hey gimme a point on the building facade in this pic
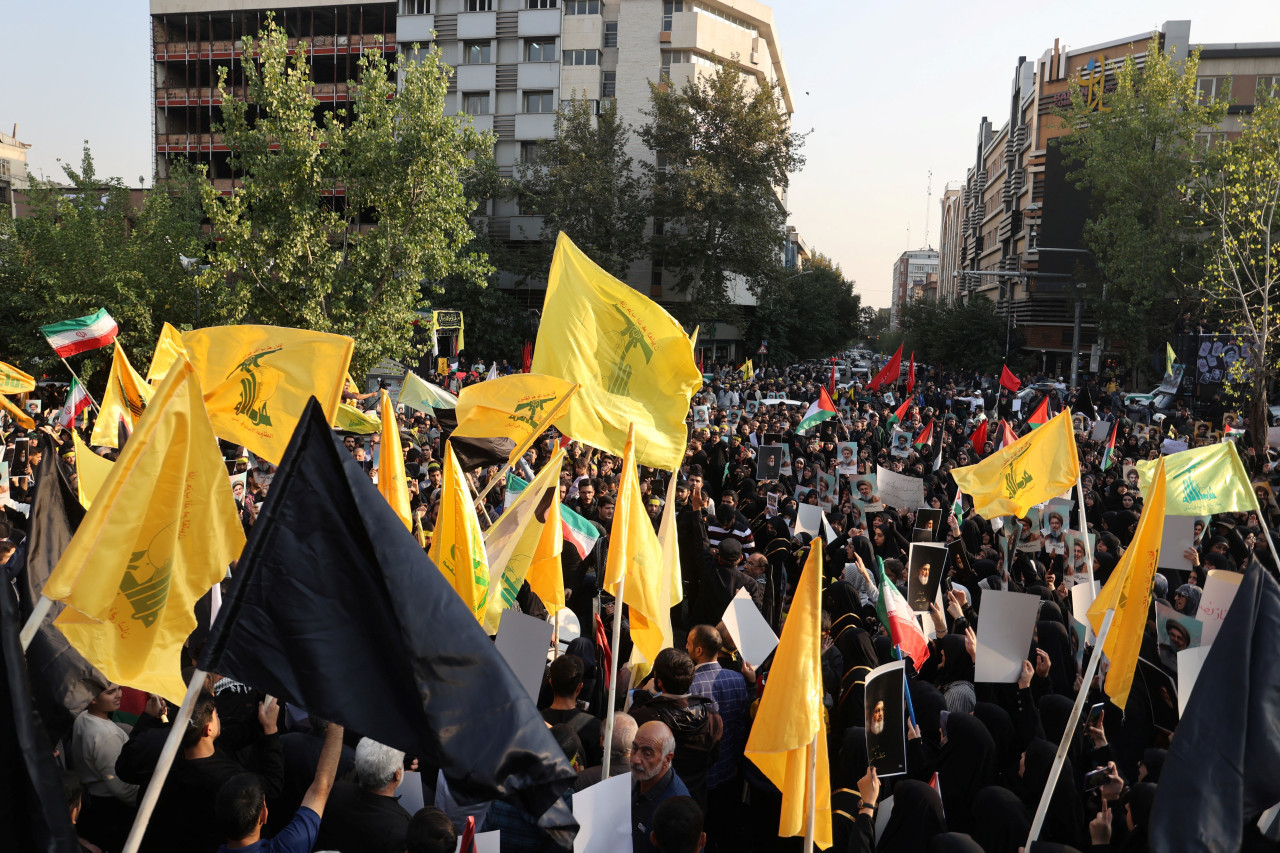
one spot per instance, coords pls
(915, 277)
(13, 171)
(1016, 198)
(515, 62)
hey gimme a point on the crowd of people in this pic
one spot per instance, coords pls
(251, 775)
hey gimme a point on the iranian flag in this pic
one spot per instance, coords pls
(77, 402)
(1108, 454)
(81, 334)
(581, 533)
(896, 616)
(821, 409)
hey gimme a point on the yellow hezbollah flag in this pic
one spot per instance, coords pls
(351, 419)
(513, 539)
(634, 554)
(1128, 592)
(546, 577)
(634, 362)
(257, 380)
(789, 721)
(91, 471)
(125, 399)
(1201, 481)
(391, 476)
(458, 547)
(748, 370)
(160, 533)
(22, 418)
(14, 381)
(169, 349)
(1040, 465)
(516, 407)
(671, 588)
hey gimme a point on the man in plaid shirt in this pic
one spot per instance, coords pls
(730, 697)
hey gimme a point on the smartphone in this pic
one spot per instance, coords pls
(1095, 714)
(1095, 779)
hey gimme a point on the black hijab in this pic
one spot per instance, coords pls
(954, 842)
(966, 765)
(1003, 734)
(916, 819)
(1051, 635)
(1000, 823)
(1065, 821)
(841, 599)
(929, 704)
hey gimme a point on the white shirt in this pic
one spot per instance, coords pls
(95, 745)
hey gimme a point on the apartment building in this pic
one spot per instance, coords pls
(1016, 198)
(13, 171)
(516, 61)
(915, 277)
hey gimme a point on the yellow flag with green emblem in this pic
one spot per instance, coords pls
(634, 553)
(546, 574)
(391, 476)
(161, 531)
(1040, 465)
(91, 471)
(351, 419)
(457, 548)
(511, 410)
(789, 723)
(633, 360)
(1201, 481)
(1128, 592)
(169, 349)
(14, 381)
(125, 400)
(257, 380)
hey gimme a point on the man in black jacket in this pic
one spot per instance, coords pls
(696, 726)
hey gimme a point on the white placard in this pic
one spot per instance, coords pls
(410, 792)
(1168, 447)
(603, 812)
(898, 490)
(750, 631)
(808, 519)
(1004, 635)
(1082, 596)
(1101, 430)
(1220, 589)
(1190, 662)
(882, 814)
(1179, 535)
(523, 642)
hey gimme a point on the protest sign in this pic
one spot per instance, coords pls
(898, 490)
(1220, 589)
(1179, 535)
(603, 812)
(750, 632)
(523, 642)
(1082, 596)
(926, 563)
(1004, 635)
(886, 731)
(1190, 662)
(808, 519)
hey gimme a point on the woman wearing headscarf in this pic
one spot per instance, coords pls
(1052, 637)
(1152, 764)
(1186, 599)
(916, 819)
(999, 725)
(954, 842)
(966, 765)
(1064, 823)
(1000, 822)
(955, 674)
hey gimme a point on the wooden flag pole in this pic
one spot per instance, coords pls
(167, 754)
(34, 621)
(1084, 529)
(613, 678)
(1070, 733)
(811, 795)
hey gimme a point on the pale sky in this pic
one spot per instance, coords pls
(891, 90)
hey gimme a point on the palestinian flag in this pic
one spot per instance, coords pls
(580, 533)
(957, 506)
(979, 437)
(821, 409)
(896, 616)
(77, 402)
(81, 334)
(898, 416)
(1108, 454)
(925, 436)
(1006, 435)
(1040, 416)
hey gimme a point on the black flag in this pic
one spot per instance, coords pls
(336, 608)
(55, 514)
(1084, 404)
(33, 809)
(1220, 774)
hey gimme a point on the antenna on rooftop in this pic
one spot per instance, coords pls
(928, 205)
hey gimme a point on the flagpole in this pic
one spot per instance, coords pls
(613, 677)
(501, 476)
(167, 754)
(1056, 769)
(36, 619)
(811, 794)
(1084, 529)
(92, 402)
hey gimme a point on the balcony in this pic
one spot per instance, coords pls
(539, 22)
(532, 126)
(415, 28)
(538, 75)
(188, 51)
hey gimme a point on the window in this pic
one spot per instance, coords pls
(582, 7)
(669, 8)
(609, 84)
(477, 52)
(541, 4)
(540, 50)
(1213, 88)
(415, 7)
(479, 5)
(475, 103)
(529, 153)
(1205, 141)
(610, 33)
(1269, 86)
(582, 57)
(539, 102)
(659, 226)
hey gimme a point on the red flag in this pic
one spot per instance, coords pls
(911, 373)
(701, 369)
(1006, 434)
(979, 438)
(1041, 415)
(1008, 380)
(890, 372)
(526, 357)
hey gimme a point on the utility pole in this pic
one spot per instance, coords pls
(1079, 289)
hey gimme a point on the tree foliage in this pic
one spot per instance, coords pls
(810, 314)
(85, 247)
(724, 152)
(965, 338)
(1133, 156)
(1236, 197)
(340, 216)
(585, 184)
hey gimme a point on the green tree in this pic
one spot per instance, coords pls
(966, 338)
(1236, 194)
(585, 184)
(811, 314)
(93, 245)
(725, 151)
(1133, 156)
(339, 223)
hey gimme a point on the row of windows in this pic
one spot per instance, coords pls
(571, 7)
(535, 50)
(1219, 88)
(686, 57)
(671, 7)
(478, 103)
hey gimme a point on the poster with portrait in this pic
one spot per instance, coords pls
(1131, 477)
(884, 719)
(865, 494)
(1161, 692)
(826, 490)
(787, 470)
(1177, 631)
(238, 485)
(735, 415)
(900, 444)
(928, 525)
(847, 457)
(701, 417)
(926, 563)
(33, 407)
(769, 463)
(751, 407)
